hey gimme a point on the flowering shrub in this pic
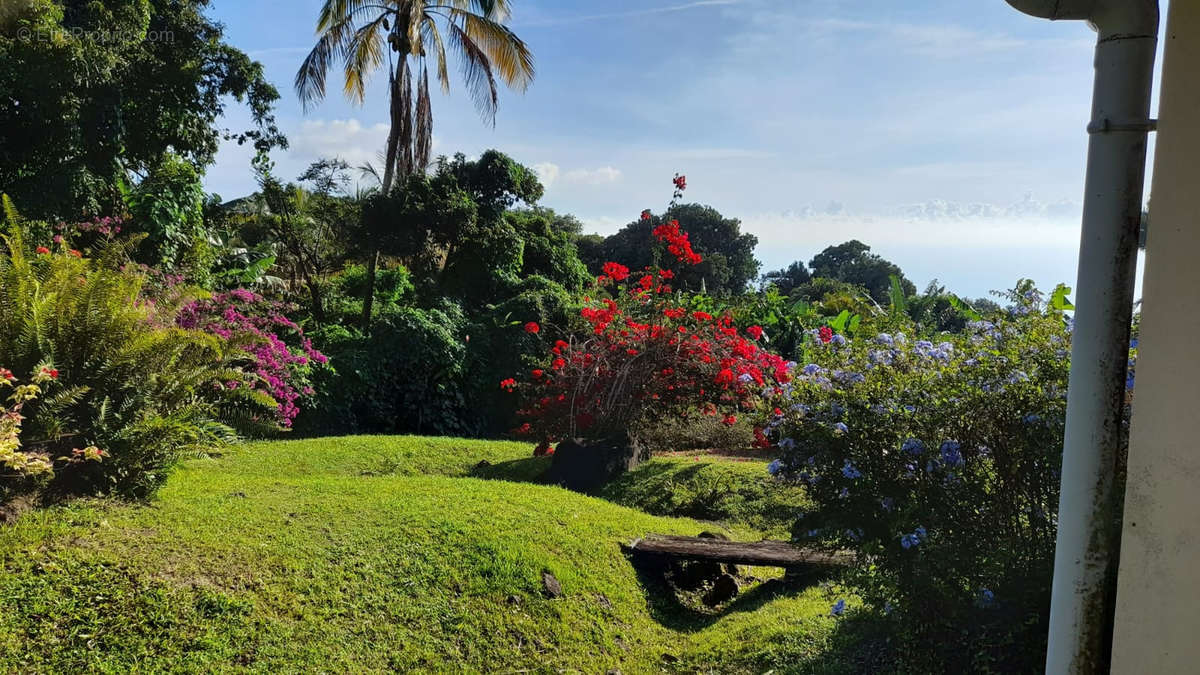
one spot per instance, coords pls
(641, 355)
(23, 462)
(255, 325)
(938, 461)
(124, 378)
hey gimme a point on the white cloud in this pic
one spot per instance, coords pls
(547, 172)
(600, 176)
(348, 139)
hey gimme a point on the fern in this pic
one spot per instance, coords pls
(130, 381)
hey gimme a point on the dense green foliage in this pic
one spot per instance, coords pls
(91, 92)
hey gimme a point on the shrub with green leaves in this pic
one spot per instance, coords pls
(938, 462)
(127, 380)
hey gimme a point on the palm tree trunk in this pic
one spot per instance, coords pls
(389, 176)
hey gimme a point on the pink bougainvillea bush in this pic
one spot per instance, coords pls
(279, 354)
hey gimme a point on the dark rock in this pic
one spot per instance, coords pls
(483, 464)
(712, 535)
(514, 600)
(603, 601)
(551, 586)
(239, 495)
(587, 465)
(724, 590)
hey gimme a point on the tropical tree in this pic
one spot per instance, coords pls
(410, 36)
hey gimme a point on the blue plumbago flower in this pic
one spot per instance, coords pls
(913, 447)
(1129, 381)
(843, 493)
(920, 532)
(924, 345)
(951, 453)
(970, 362)
(878, 409)
(838, 340)
(887, 608)
(801, 408)
(910, 470)
(887, 504)
(811, 369)
(841, 427)
(885, 339)
(790, 365)
(985, 598)
(775, 467)
(839, 608)
(931, 466)
(984, 451)
(909, 540)
(900, 339)
(1133, 343)
(881, 356)
(814, 533)
(787, 443)
(1032, 418)
(1018, 376)
(849, 471)
(910, 409)
(854, 535)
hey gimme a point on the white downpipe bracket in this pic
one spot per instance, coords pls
(1089, 530)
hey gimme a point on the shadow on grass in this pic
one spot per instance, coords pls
(527, 470)
(670, 610)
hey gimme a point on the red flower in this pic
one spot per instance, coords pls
(729, 420)
(509, 385)
(760, 439)
(6, 374)
(524, 428)
(676, 313)
(42, 250)
(725, 377)
(538, 373)
(755, 332)
(617, 271)
(680, 182)
(52, 372)
(666, 274)
(75, 253)
(702, 316)
(543, 449)
(826, 334)
(558, 364)
(532, 327)
(646, 214)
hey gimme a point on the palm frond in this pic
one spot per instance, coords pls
(477, 73)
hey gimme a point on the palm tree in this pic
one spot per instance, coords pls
(406, 35)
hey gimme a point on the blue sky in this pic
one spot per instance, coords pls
(948, 135)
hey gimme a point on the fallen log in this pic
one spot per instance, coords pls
(766, 553)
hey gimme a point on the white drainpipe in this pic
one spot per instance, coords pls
(1089, 530)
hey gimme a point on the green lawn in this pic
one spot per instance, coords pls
(375, 554)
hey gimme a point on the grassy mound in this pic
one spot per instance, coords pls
(371, 554)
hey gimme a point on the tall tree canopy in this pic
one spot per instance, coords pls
(729, 264)
(408, 36)
(853, 263)
(787, 279)
(92, 92)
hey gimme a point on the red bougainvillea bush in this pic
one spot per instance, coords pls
(640, 357)
(256, 325)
